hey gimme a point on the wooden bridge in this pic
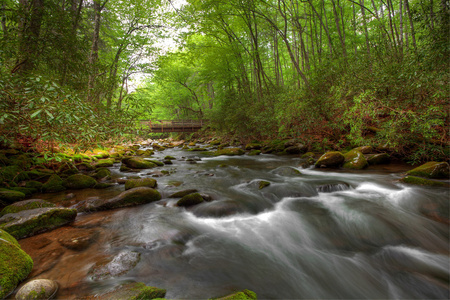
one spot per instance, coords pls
(160, 126)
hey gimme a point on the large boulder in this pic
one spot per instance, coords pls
(134, 290)
(286, 171)
(15, 264)
(183, 193)
(378, 159)
(53, 185)
(431, 169)
(38, 289)
(105, 162)
(354, 159)
(25, 205)
(79, 182)
(132, 197)
(296, 148)
(364, 149)
(332, 159)
(421, 181)
(138, 163)
(148, 182)
(33, 221)
(191, 199)
(121, 264)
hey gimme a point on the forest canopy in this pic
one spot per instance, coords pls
(330, 72)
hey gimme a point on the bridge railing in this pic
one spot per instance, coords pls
(173, 125)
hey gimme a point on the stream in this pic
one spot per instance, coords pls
(314, 234)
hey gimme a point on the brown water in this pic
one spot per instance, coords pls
(320, 234)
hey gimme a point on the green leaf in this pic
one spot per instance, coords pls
(36, 113)
(49, 114)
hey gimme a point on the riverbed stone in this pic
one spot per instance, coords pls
(9, 196)
(131, 197)
(33, 221)
(431, 169)
(79, 181)
(229, 152)
(286, 171)
(102, 173)
(121, 264)
(15, 264)
(421, 181)
(364, 149)
(25, 205)
(262, 184)
(148, 182)
(78, 238)
(183, 193)
(355, 159)
(147, 152)
(38, 289)
(105, 162)
(378, 159)
(190, 200)
(218, 209)
(138, 163)
(296, 149)
(241, 295)
(333, 159)
(134, 290)
(53, 185)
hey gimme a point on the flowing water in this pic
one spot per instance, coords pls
(317, 234)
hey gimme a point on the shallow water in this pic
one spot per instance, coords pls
(318, 234)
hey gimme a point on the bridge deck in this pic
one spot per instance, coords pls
(159, 126)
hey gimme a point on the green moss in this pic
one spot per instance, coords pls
(330, 160)
(431, 169)
(106, 162)
(15, 264)
(102, 173)
(254, 152)
(13, 173)
(34, 185)
(10, 196)
(421, 181)
(263, 184)
(138, 163)
(156, 162)
(27, 191)
(147, 292)
(52, 218)
(308, 155)
(148, 182)
(54, 184)
(242, 295)
(25, 205)
(191, 199)
(147, 152)
(131, 197)
(354, 159)
(79, 181)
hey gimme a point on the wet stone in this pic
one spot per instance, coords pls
(38, 289)
(78, 238)
(121, 264)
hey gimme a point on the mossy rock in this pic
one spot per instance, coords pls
(378, 159)
(21, 160)
(32, 184)
(242, 295)
(133, 291)
(25, 205)
(131, 197)
(138, 163)
(13, 173)
(364, 149)
(229, 152)
(15, 264)
(354, 159)
(147, 152)
(37, 289)
(421, 181)
(431, 169)
(148, 182)
(253, 146)
(53, 185)
(102, 163)
(286, 171)
(332, 159)
(10, 196)
(79, 181)
(27, 191)
(156, 162)
(85, 166)
(169, 157)
(215, 143)
(262, 184)
(183, 193)
(36, 174)
(191, 199)
(102, 173)
(33, 221)
(254, 152)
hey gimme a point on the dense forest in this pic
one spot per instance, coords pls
(333, 73)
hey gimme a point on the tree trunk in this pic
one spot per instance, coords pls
(413, 34)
